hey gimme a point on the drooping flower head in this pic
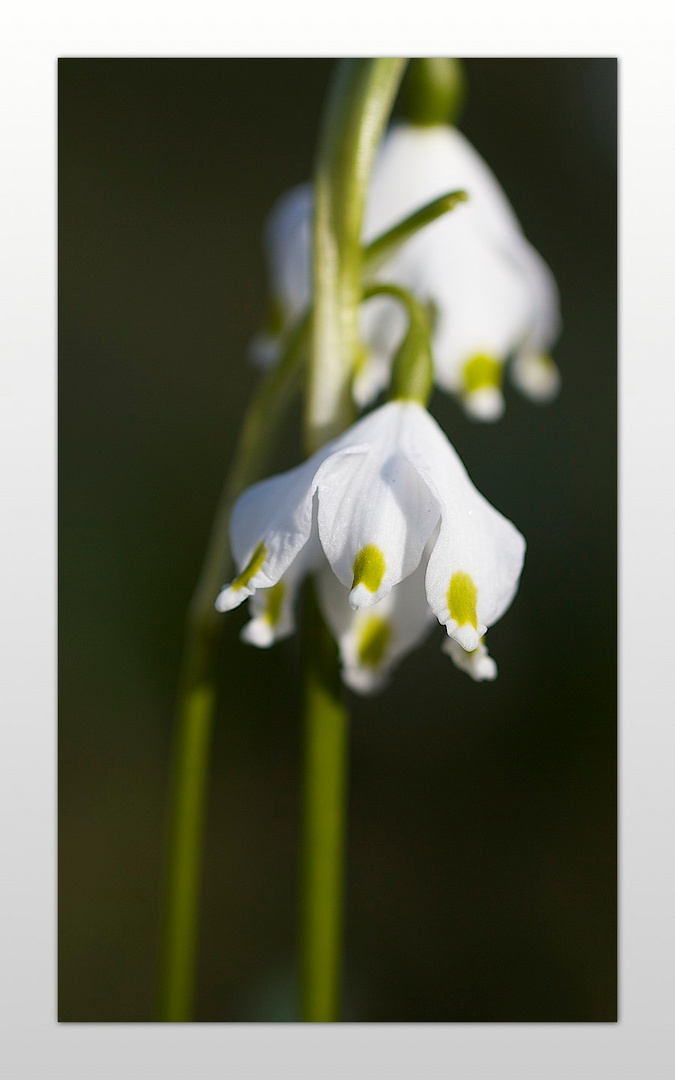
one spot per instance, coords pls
(491, 294)
(388, 520)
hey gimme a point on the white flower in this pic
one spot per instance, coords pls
(373, 639)
(491, 293)
(389, 521)
(288, 245)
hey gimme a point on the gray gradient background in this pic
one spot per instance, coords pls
(33, 1043)
(482, 846)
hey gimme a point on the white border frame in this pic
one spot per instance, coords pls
(34, 34)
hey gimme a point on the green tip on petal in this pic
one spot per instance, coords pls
(369, 568)
(251, 568)
(275, 598)
(361, 358)
(462, 598)
(481, 371)
(374, 637)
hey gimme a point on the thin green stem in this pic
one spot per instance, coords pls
(359, 104)
(412, 376)
(189, 786)
(324, 812)
(358, 108)
(197, 695)
(259, 433)
(388, 243)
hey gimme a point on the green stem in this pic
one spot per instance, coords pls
(388, 243)
(197, 696)
(324, 811)
(412, 376)
(258, 435)
(188, 787)
(359, 105)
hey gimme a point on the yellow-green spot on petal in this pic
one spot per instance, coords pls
(251, 568)
(462, 597)
(481, 371)
(275, 597)
(361, 358)
(369, 567)
(374, 637)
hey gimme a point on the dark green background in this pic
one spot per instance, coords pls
(482, 835)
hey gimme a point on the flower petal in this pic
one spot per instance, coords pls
(373, 640)
(375, 516)
(483, 308)
(417, 164)
(273, 609)
(288, 240)
(476, 562)
(382, 326)
(288, 246)
(536, 375)
(478, 663)
(271, 523)
(545, 321)
(493, 293)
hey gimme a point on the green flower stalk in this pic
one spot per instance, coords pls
(360, 102)
(382, 515)
(197, 691)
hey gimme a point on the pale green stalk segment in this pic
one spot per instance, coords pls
(361, 99)
(359, 105)
(412, 376)
(324, 810)
(187, 827)
(388, 243)
(197, 692)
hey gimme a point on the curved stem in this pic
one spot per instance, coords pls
(412, 376)
(359, 104)
(197, 697)
(388, 243)
(360, 101)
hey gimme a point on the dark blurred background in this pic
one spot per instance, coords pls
(482, 825)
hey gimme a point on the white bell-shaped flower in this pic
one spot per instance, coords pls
(389, 508)
(372, 640)
(288, 246)
(491, 293)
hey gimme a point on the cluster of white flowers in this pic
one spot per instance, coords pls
(388, 520)
(385, 517)
(492, 296)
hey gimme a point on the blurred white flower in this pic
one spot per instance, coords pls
(396, 533)
(491, 294)
(288, 246)
(372, 640)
